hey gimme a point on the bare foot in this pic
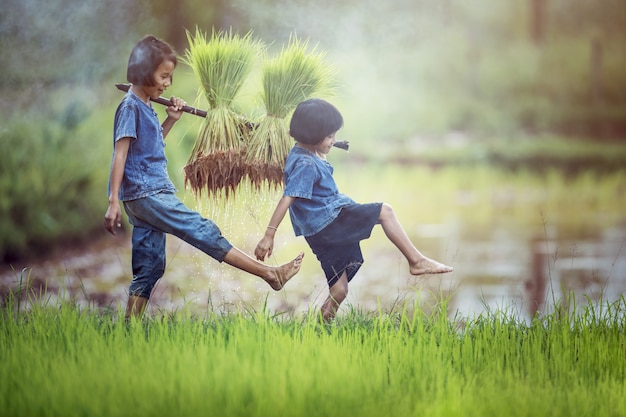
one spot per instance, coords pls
(284, 273)
(429, 266)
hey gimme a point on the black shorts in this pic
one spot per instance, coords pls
(337, 246)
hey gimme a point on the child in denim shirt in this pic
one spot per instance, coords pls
(332, 223)
(139, 179)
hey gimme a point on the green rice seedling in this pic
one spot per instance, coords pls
(221, 64)
(250, 363)
(215, 162)
(294, 75)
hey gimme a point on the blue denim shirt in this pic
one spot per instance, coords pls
(318, 201)
(145, 172)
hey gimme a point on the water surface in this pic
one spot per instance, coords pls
(523, 248)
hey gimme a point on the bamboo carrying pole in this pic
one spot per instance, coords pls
(341, 144)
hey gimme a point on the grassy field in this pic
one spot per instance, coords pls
(70, 361)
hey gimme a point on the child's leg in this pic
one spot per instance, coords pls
(135, 306)
(167, 213)
(418, 263)
(338, 293)
(148, 265)
(275, 276)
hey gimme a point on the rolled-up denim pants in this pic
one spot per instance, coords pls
(154, 216)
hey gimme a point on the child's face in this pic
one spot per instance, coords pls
(326, 144)
(162, 79)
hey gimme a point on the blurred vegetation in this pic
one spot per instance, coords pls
(522, 84)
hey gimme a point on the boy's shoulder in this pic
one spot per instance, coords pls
(128, 103)
(299, 155)
(129, 100)
(132, 106)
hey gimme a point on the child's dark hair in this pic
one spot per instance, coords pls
(313, 120)
(146, 57)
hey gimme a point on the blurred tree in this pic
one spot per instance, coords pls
(538, 20)
(65, 40)
(176, 17)
(588, 17)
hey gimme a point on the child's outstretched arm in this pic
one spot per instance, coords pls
(266, 245)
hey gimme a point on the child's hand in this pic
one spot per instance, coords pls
(176, 110)
(264, 248)
(113, 218)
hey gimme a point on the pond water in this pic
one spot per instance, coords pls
(514, 266)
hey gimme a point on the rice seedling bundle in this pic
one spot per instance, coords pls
(221, 64)
(295, 74)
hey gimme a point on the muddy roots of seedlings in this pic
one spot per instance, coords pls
(265, 175)
(266, 153)
(216, 163)
(216, 173)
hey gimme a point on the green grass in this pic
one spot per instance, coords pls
(67, 360)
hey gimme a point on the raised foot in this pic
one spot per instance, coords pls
(429, 266)
(285, 272)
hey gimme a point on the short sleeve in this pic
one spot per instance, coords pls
(300, 179)
(125, 122)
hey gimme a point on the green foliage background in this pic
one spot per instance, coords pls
(410, 73)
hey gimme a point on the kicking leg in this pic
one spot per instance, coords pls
(338, 293)
(418, 263)
(275, 276)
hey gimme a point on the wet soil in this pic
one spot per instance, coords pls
(98, 273)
